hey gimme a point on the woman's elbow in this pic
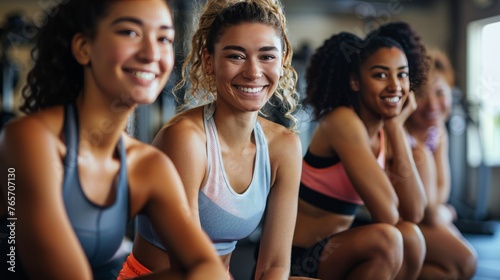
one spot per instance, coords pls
(389, 216)
(414, 215)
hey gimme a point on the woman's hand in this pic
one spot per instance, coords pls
(408, 108)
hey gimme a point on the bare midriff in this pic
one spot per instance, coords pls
(315, 224)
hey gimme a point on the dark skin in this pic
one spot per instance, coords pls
(385, 102)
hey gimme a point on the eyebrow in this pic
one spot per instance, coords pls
(241, 49)
(387, 68)
(138, 22)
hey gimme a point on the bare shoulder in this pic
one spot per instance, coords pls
(284, 145)
(278, 136)
(183, 128)
(343, 123)
(44, 126)
(340, 118)
(144, 159)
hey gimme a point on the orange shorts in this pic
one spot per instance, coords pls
(132, 268)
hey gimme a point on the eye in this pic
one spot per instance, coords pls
(129, 33)
(404, 75)
(268, 57)
(236, 56)
(380, 75)
(166, 40)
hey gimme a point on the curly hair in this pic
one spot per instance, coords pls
(328, 73)
(410, 40)
(216, 16)
(56, 77)
(332, 65)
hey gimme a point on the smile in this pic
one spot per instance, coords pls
(144, 75)
(250, 90)
(392, 99)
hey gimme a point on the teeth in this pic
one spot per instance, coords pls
(250, 90)
(144, 75)
(392, 99)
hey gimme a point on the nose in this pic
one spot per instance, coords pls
(252, 70)
(149, 50)
(394, 85)
(432, 101)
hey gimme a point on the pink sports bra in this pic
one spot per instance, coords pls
(325, 184)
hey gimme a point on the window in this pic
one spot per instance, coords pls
(483, 89)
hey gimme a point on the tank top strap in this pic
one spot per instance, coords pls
(71, 135)
(100, 229)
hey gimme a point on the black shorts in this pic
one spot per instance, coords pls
(305, 261)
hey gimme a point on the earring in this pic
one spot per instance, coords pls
(282, 72)
(207, 71)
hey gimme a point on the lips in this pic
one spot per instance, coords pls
(392, 99)
(250, 89)
(142, 74)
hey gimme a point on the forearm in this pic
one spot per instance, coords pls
(273, 273)
(404, 175)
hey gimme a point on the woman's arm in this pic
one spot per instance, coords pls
(402, 169)
(170, 215)
(183, 141)
(45, 240)
(442, 167)
(348, 137)
(281, 211)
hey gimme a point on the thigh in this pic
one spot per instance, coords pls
(446, 246)
(348, 249)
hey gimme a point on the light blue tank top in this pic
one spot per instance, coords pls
(99, 229)
(226, 216)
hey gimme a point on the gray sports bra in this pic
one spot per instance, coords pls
(99, 229)
(226, 216)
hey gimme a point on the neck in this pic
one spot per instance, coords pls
(234, 127)
(372, 123)
(101, 124)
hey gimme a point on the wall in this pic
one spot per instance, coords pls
(431, 21)
(466, 11)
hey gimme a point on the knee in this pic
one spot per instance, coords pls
(389, 245)
(414, 243)
(467, 265)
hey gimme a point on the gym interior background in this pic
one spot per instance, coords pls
(467, 30)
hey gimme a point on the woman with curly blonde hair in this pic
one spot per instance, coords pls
(237, 167)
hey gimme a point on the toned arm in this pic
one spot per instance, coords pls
(276, 241)
(46, 242)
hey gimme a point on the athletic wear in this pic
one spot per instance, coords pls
(132, 268)
(305, 261)
(226, 216)
(432, 140)
(325, 184)
(99, 229)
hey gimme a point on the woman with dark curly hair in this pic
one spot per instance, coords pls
(237, 167)
(449, 255)
(361, 94)
(75, 177)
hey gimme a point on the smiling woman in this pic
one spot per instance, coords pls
(235, 164)
(361, 96)
(83, 178)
